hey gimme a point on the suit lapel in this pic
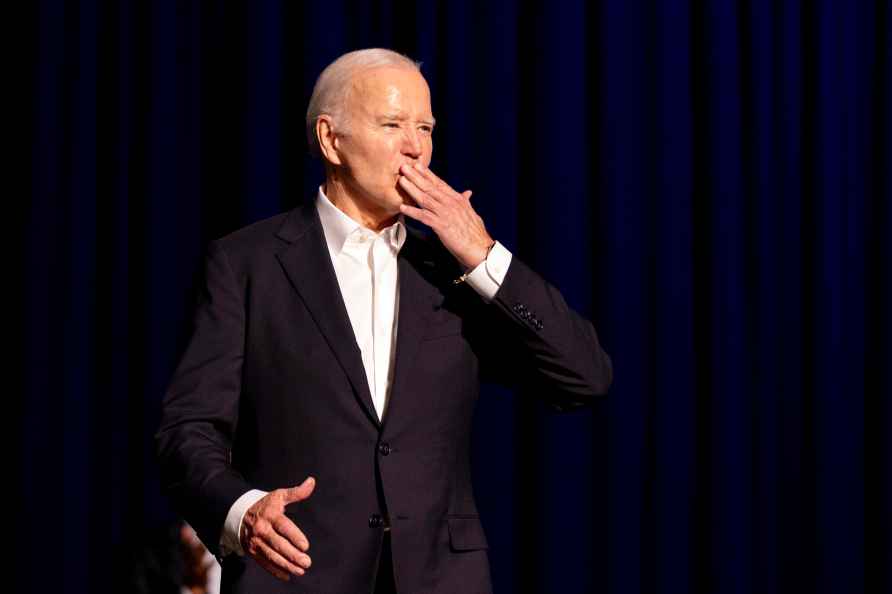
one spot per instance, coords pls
(418, 297)
(308, 266)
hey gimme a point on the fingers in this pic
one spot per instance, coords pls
(275, 546)
(427, 182)
(414, 173)
(422, 198)
(287, 549)
(432, 178)
(272, 539)
(427, 189)
(270, 567)
(419, 214)
(439, 184)
(289, 530)
(272, 560)
(300, 492)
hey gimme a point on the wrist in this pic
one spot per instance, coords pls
(483, 259)
(471, 268)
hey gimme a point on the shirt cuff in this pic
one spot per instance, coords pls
(232, 527)
(487, 277)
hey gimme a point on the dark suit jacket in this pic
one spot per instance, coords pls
(272, 389)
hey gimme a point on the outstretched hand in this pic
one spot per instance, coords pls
(271, 538)
(447, 212)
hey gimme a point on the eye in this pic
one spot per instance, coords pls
(427, 129)
(391, 125)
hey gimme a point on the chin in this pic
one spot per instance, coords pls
(381, 200)
(390, 202)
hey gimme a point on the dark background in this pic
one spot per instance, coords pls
(708, 180)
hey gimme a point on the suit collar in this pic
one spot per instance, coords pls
(299, 221)
(337, 226)
(307, 264)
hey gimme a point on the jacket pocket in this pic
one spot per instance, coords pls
(466, 533)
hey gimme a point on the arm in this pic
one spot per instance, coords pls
(198, 424)
(535, 341)
(200, 407)
(528, 336)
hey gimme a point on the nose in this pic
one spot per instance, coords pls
(411, 144)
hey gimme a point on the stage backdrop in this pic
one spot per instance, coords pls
(708, 180)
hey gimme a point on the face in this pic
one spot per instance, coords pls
(389, 123)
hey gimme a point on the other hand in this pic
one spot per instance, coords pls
(447, 212)
(271, 538)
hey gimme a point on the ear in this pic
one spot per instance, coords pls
(328, 140)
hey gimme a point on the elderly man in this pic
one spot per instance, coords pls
(316, 432)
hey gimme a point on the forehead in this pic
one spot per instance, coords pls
(390, 89)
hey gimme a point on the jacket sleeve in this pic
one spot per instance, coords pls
(200, 408)
(534, 341)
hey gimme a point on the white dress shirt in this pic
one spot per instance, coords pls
(365, 264)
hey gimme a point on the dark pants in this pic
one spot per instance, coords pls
(384, 583)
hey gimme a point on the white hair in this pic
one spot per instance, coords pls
(331, 89)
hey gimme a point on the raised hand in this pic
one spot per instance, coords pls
(447, 212)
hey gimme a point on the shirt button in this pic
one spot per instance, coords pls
(384, 448)
(375, 521)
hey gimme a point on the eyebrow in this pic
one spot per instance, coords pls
(399, 116)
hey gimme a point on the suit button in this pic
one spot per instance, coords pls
(384, 448)
(375, 521)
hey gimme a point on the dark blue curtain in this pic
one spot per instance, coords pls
(708, 180)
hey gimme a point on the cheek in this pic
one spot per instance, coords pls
(388, 154)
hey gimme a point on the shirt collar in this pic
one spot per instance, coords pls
(338, 226)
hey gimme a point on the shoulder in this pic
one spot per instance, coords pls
(252, 237)
(261, 241)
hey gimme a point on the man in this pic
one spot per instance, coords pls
(316, 432)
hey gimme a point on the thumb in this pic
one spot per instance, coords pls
(300, 492)
(467, 194)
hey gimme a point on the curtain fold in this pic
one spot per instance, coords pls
(707, 180)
